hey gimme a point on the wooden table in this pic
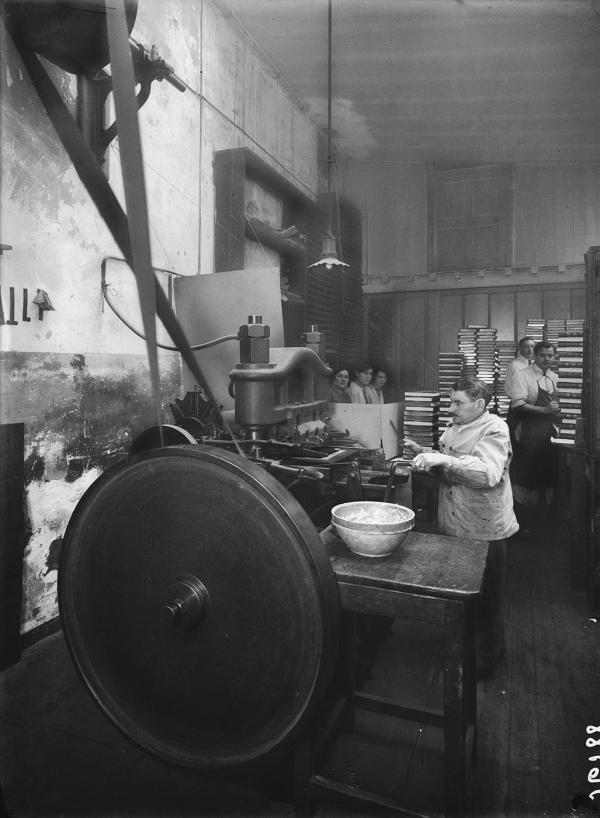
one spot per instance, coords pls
(437, 579)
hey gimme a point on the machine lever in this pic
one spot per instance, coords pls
(307, 472)
(389, 489)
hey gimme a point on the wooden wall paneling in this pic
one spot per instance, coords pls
(581, 212)
(556, 303)
(589, 198)
(451, 320)
(578, 302)
(529, 305)
(502, 314)
(432, 339)
(567, 210)
(476, 309)
(544, 219)
(526, 203)
(381, 333)
(410, 340)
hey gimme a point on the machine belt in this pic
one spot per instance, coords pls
(99, 189)
(132, 168)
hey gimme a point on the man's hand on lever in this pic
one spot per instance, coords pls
(428, 460)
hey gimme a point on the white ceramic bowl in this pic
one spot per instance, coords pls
(372, 529)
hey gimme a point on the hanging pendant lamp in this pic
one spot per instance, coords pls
(329, 257)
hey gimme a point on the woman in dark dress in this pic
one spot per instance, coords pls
(338, 392)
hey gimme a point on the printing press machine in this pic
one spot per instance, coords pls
(211, 610)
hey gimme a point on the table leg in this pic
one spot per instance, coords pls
(455, 709)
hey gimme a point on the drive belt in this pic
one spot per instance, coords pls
(99, 189)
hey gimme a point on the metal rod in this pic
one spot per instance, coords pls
(329, 154)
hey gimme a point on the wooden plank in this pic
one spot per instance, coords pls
(359, 795)
(386, 602)
(381, 704)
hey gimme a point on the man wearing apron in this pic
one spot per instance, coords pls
(475, 499)
(536, 412)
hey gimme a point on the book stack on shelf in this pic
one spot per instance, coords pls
(536, 328)
(554, 328)
(421, 419)
(570, 378)
(506, 354)
(487, 360)
(574, 326)
(467, 346)
(450, 368)
(477, 344)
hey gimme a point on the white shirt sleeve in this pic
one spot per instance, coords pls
(484, 467)
(520, 390)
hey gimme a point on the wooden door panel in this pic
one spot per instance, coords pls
(472, 217)
(487, 241)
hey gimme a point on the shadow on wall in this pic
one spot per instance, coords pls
(81, 414)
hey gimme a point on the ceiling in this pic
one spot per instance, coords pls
(446, 81)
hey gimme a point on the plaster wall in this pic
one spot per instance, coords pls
(77, 377)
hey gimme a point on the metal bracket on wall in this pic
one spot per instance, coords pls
(93, 91)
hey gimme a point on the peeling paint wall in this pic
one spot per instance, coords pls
(76, 376)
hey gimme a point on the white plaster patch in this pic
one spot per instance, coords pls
(51, 504)
(50, 446)
(350, 129)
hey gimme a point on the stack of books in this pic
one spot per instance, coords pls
(574, 326)
(554, 328)
(506, 353)
(467, 346)
(536, 328)
(487, 362)
(421, 419)
(450, 369)
(570, 380)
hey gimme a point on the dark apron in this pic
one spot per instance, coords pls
(532, 466)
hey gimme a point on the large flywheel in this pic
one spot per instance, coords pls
(199, 606)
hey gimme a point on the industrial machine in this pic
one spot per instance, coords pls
(197, 598)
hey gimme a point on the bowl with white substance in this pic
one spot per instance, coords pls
(370, 528)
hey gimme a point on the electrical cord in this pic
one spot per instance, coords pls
(205, 345)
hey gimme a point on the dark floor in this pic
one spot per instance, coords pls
(59, 756)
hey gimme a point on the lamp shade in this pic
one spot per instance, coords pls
(329, 257)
